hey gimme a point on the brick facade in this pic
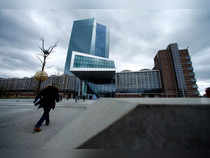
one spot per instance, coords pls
(164, 62)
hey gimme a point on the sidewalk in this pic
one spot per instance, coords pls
(153, 123)
(16, 128)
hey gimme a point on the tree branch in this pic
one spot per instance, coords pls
(52, 47)
(39, 59)
(42, 43)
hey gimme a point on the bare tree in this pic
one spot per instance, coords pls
(44, 53)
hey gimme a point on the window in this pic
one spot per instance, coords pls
(90, 62)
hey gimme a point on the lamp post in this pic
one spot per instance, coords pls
(42, 75)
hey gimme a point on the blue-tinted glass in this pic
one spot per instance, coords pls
(80, 40)
(89, 62)
(100, 40)
(178, 67)
(88, 37)
(102, 88)
(81, 35)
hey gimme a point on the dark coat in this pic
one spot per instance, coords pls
(47, 97)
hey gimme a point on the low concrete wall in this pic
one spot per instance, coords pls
(148, 127)
(145, 124)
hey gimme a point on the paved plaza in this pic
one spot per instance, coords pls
(159, 121)
(18, 117)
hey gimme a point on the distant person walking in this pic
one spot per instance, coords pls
(83, 97)
(75, 97)
(46, 99)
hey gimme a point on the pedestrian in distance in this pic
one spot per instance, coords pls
(76, 98)
(46, 99)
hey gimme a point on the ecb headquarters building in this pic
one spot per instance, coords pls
(88, 58)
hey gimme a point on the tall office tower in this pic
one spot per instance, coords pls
(176, 70)
(88, 37)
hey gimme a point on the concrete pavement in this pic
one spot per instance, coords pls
(76, 124)
(17, 120)
(107, 112)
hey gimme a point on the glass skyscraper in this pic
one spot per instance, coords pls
(88, 37)
(88, 57)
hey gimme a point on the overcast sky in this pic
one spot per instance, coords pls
(135, 38)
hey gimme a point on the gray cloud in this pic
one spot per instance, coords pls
(135, 37)
(16, 29)
(108, 4)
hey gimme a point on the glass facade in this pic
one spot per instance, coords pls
(178, 67)
(102, 88)
(137, 81)
(88, 37)
(81, 38)
(100, 47)
(90, 62)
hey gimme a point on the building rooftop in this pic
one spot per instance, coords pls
(142, 70)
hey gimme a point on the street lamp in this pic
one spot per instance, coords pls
(41, 76)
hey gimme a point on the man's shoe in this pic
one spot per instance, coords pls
(36, 129)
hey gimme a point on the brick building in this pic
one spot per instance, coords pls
(178, 78)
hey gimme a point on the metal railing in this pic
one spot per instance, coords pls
(187, 57)
(192, 74)
(190, 68)
(195, 86)
(193, 80)
(189, 62)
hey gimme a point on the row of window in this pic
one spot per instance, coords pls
(89, 62)
(30, 83)
(102, 88)
(146, 80)
(138, 85)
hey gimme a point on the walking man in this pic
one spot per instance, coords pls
(46, 99)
